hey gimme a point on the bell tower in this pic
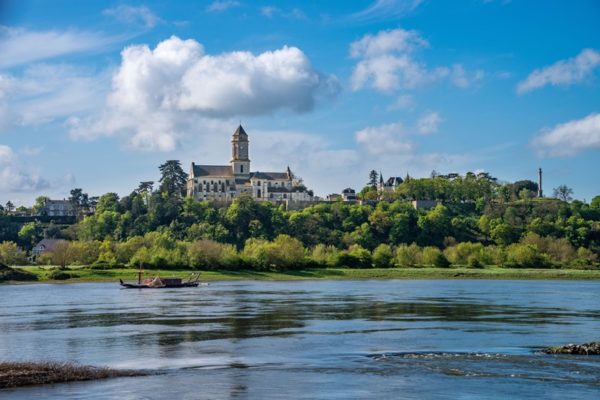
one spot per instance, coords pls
(240, 163)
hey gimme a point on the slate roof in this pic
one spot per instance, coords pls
(48, 244)
(270, 175)
(212, 170)
(393, 181)
(240, 133)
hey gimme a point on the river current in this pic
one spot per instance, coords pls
(413, 339)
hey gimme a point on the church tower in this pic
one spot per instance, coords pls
(240, 163)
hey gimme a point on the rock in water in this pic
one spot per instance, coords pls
(592, 348)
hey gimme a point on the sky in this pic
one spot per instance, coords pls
(97, 95)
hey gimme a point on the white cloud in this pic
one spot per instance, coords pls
(14, 178)
(428, 123)
(159, 93)
(385, 139)
(385, 9)
(386, 62)
(268, 11)
(222, 5)
(271, 11)
(21, 46)
(562, 73)
(133, 15)
(44, 92)
(403, 102)
(569, 138)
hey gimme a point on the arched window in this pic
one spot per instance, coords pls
(242, 168)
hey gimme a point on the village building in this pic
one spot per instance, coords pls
(57, 208)
(223, 183)
(45, 245)
(389, 185)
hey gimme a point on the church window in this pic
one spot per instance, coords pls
(241, 168)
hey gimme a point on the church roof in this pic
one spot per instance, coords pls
(394, 181)
(212, 170)
(240, 133)
(270, 175)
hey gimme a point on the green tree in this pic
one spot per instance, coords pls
(373, 179)
(382, 256)
(31, 233)
(173, 179)
(563, 192)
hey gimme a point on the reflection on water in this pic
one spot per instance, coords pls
(336, 339)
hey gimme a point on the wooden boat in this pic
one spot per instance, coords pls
(161, 283)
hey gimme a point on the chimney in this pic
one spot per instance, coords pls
(540, 192)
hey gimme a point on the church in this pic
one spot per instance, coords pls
(222, 183)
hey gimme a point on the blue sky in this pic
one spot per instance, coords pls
(97, 94)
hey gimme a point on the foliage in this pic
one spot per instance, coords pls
(11, 254)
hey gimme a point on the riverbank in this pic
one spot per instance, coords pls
(82, 274)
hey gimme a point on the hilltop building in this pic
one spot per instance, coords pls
(223, 183)
(57, 208)
(388, 185)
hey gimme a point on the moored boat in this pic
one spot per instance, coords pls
(161, 283)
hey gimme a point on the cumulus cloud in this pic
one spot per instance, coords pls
(140, 15)
(428, 123)
(222, 5)
(387, 62)
(157, 92)
(562, 73)
(21, 46)
(14, 178)
(569, 138)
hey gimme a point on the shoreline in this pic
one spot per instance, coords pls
(85, 275)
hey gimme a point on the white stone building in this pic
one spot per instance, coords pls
(222, 183)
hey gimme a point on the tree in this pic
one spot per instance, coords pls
(373, 179)
(31, 233)
(173, 180)
(144, 189)
(563, 192)
(10, 206)
(40, 202)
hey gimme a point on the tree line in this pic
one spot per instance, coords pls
(478, 221)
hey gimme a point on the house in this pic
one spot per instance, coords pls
(45, 245)
(57, 208)
(349, 194)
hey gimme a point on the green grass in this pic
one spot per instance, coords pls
(127, 274)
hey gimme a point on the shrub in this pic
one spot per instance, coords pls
(434, 256)
(60, 275)
(525, 256)
(323, 255)
(344, 259)
(382, 256)
(558, 250)
(11, 254)
(462, 252)
(284, 252)
(408, 256)
(209, 254)
(362, 255)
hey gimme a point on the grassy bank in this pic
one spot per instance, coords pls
(81, 274)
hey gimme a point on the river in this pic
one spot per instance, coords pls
(414, 339)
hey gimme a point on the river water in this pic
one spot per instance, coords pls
(452, 339)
